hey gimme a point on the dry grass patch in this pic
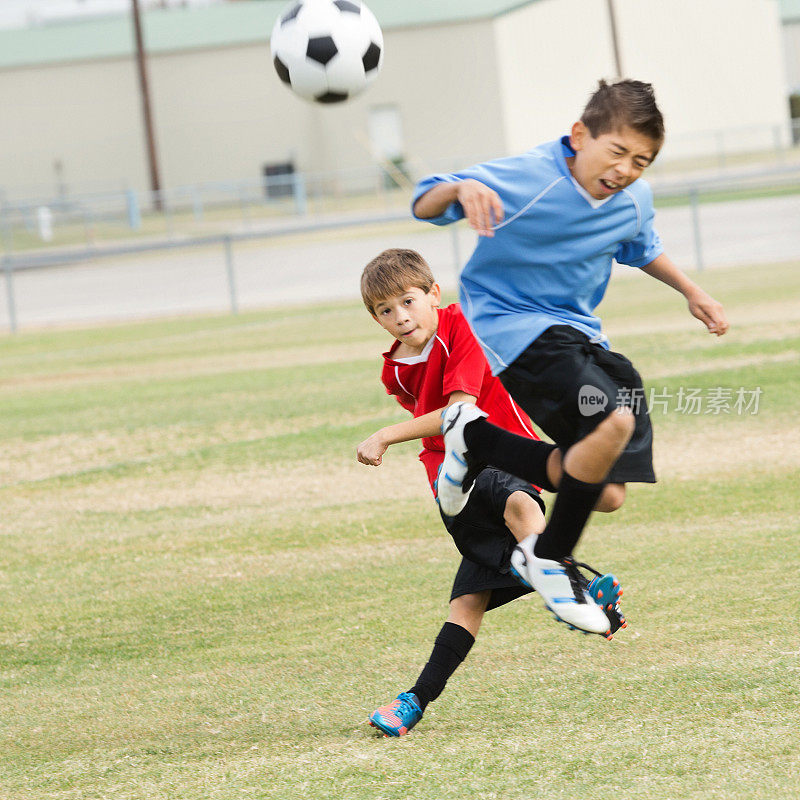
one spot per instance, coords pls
(63, 455)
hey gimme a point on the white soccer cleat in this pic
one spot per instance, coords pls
(561, 587)
(455, 477)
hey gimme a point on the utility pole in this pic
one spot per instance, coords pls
(612, 18)
(152, 156)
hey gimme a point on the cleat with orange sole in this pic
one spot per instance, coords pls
(398, 717)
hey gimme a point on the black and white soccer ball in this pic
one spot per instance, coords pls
(327, 50)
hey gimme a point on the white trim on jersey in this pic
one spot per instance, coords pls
(422, 357)
(594, 202)
(485, 347)
(638, 212)
(515, 407)
(400, 383)
(532, 202)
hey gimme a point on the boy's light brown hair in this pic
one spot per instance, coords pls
(625, 103)
(392, 273)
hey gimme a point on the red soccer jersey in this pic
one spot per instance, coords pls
(452, 361)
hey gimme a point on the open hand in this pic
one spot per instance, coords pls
(482, 206)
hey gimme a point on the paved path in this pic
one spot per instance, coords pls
(752, 232)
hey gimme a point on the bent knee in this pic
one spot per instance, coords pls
(522, 510)
(468, 610)
(477, 601)
(612, 498)
(520, 502)
(620, 423)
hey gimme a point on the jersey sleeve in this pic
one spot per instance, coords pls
(494, 174)
(646, 245)
(466, 363)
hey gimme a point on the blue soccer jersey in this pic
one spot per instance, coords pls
(550, 259)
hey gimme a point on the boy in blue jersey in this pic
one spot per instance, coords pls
(551, 222)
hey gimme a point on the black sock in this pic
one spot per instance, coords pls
(574, 502)
(517, 455)
(450, 649)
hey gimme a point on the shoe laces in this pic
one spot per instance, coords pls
(613, 611)
(577, 581)
(407, 705)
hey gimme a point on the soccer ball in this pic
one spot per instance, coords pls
(327, 50)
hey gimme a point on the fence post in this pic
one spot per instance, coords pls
(162, 203)
(88, 226)
(228, 244)
(300, 196)
(456, 250)
(694, 200)
(12, 305)
(134, 212)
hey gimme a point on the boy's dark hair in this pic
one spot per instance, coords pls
(625, 103)
(392, 273)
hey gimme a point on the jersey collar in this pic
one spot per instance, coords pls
(568, 152)
(421, 358)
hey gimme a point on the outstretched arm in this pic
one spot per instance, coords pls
(701, 304)
(371, 450)
(482, 206)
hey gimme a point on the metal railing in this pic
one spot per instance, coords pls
(745, 183)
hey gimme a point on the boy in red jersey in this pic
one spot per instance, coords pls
(434, 363)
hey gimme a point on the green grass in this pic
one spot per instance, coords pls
(204, 595)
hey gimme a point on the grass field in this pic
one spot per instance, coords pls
(204, 594)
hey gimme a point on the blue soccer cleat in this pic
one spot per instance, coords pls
(606, 591)
(399, 717)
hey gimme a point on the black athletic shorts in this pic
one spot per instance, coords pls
(568, 385)
(484, 541)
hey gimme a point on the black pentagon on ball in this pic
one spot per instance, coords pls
(371, 57)
(321, 49)
(331, 97)
(281, 69)
(347, 5)
(291, 13)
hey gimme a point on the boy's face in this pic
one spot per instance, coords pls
(411, 316)
(606, 165)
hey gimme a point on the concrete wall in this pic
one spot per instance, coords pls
(791, 49)
(551, 55)
(86, 115)
(716, 66)
(444, 82)
(464, 92)
(222, 114)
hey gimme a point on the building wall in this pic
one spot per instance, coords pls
(791, 47)
(707, 81)
(85, 115)
(716, 65)
(464, 92)
(551, 55)
(444, 82)
(222, 114)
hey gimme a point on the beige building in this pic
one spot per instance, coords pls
(462, 80)
(791, 43)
